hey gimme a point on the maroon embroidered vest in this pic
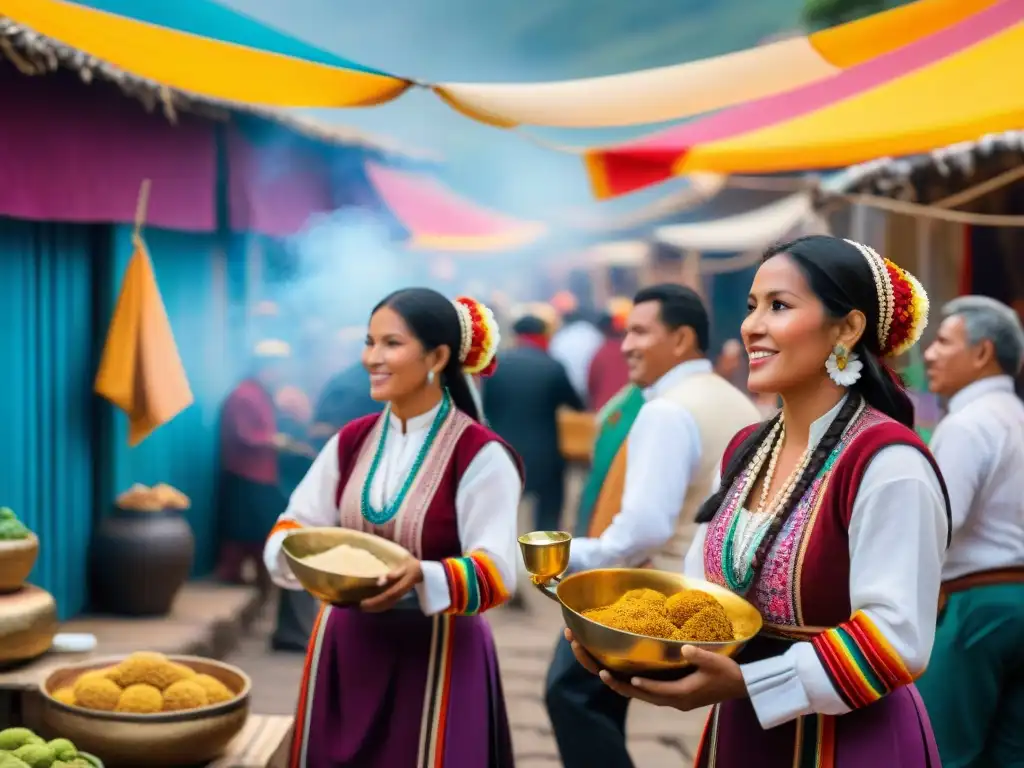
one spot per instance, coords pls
(426, 525)
(805, 577)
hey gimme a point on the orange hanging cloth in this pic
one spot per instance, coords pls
(141, 372)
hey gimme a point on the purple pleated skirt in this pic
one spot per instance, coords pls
(401, 690)
(893, 731)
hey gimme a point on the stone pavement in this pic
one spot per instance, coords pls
(658, 737)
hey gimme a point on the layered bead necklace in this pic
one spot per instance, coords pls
(748, 528)
(388, 511)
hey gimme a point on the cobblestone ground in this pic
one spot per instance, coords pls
(658, 738)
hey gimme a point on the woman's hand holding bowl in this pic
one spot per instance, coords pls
(400, 580)
(715, 679)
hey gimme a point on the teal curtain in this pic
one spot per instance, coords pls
(46, 401)
(191, 274)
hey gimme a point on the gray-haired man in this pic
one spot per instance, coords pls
(974, 686)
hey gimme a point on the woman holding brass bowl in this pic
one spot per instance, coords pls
(832, 519)
(410, 677)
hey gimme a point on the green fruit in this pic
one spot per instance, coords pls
(64, 749)
(36, 755)
(10, 761)
(12, 738)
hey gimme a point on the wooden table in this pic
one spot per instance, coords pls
(263, 743)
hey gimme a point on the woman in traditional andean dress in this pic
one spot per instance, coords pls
(832, 518)
(409, 679)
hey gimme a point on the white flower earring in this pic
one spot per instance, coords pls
(843, 366)
(430, 378)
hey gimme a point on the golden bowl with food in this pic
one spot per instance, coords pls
(635, 621)
(147, 710)
(341, 566)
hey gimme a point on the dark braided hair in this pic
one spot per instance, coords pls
(841, 278)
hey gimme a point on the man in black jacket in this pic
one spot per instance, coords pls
(521, 400)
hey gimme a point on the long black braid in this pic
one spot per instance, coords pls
(744, 454)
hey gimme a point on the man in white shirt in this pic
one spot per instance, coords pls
(574, 346)
(974, 685)
(674, 447)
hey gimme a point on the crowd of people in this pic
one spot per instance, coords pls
(889, 573)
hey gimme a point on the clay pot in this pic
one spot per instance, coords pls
(28, 622)
(16, 560)
(139, 561)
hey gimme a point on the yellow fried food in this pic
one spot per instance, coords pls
(184, 694)
(690, 616)
(641, 617)
(65, 696)
(643, 595)
(147, 667)
(95, 692)
(140, 699)
(681, 607)
(216, 691)
(709, 625)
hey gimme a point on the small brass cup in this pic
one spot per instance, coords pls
(545, 554)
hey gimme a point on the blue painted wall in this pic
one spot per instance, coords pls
(46, 401)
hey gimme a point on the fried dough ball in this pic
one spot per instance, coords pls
(641, 617)
(681, 607)
(65, 695)
(709, 625)
(140, 699)
(184, 694)
(643, 595)
(95, 692)
(151, 669)
(689, 616)
(216, 691)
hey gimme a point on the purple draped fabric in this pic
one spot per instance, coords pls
(78, 153)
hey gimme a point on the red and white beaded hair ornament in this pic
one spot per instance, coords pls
(902, 303)
(478, 351)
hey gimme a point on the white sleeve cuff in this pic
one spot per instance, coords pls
(782, 688)
(277, 564)
(433, 591)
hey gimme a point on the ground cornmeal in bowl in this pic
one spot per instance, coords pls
(688, 616)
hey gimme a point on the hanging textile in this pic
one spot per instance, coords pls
(140, 371)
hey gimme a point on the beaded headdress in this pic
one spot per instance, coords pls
(902, 303)
(478, 348)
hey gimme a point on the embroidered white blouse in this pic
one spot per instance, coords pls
(897, 543)
(486, 506)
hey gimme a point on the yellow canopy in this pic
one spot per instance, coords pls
(202, 65)
(140, 371)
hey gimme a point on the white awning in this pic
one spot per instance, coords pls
(753, 230)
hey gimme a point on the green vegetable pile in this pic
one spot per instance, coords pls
(12, 529)
(21, 748)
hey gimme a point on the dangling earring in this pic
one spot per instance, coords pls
(843, 366)
(430, 378)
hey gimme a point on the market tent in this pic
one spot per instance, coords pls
(205, 48)
(438, 219)
(682, 90)
(753, 230)
(944, 88)
(181, 45)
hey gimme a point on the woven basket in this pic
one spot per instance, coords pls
(576, 434)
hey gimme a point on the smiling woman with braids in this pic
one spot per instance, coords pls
(832, 519)
(409, 679)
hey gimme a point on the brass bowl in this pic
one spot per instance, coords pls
(333, 587)
(17, 558)
(161, 740)
(28, 622)
(629, 654)
(545, 554)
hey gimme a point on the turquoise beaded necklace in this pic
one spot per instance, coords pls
(388, 511)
